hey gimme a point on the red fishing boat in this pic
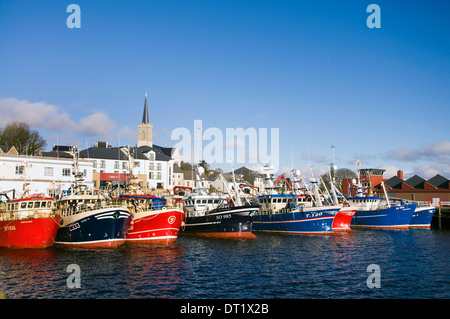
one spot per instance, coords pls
(28, 222)
(155, 220)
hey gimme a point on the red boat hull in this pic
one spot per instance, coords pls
(343, 219)
(29, 233)
(159, 227)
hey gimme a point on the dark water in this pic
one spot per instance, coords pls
(413, 264)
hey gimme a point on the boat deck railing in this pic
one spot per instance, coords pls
(16, 215)
(82, 208)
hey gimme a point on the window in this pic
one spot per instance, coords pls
(151, 166)
(151, 156)
(158, 166)
(158, 175)
(30, 204)
(66, 172)
(37, 204)
(124, 165)
(150, 175)
(137, 164)
(102, 164)
(48, 171)
(116, 164)
(19, 169)
(23, 205)
(94, 165)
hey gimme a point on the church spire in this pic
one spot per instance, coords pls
(145, 115)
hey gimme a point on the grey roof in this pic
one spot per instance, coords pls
(439, 181)
(394, 182)
(159, 155)
(104, 153)
(177, 169)
(166, 150)
(416, 182)
(60, 154)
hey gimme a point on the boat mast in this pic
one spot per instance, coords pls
(238, 198)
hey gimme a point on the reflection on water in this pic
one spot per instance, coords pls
(413, 265)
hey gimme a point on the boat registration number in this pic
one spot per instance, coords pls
(74, 226)
(223, 216)
(314, 214)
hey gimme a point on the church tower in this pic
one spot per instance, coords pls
(145, 129)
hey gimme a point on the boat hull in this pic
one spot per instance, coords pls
(235, 222)
(102, 228)
(422, 217)
(395, 217)
(306, 220)
(160, 227)
(343, 219)
(29, 233)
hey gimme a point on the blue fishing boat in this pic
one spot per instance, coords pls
(90, 220)
(296, 213)
(375, 212)
(299, 220)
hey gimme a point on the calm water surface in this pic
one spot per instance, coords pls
(413, 263)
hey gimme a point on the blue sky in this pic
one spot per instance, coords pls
(313, 69)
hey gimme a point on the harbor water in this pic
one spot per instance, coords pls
(412, 264)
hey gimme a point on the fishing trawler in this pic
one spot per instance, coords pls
(90, 220)
(155, 220)
(28, 222)
(374, 212)
(217, 216)
(296, 213)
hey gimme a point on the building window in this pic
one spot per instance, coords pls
(102, 164)
(124, 165)
(151, 156)
(150, 175)
(151, 166)
(66, 172)
(158, 175)
(158, 166)
(48, 171)
(116, 164)
(19, 169)
(94, 165)
(137, 164)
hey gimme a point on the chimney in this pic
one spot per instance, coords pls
(400, 174)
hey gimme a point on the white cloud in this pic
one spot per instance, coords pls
(98, 123)
(53, 118)
(38, 114)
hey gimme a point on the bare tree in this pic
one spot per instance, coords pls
(19, 135)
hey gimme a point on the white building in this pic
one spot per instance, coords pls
(44, 175)
(153, 164)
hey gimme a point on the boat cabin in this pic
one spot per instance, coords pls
(201, 204)
(365, 202)
(29, 207)
(273, 204)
